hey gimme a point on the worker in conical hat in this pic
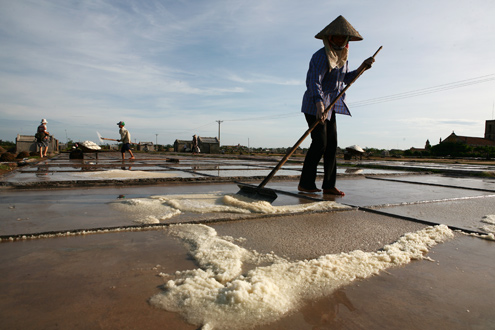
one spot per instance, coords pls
(327, 76)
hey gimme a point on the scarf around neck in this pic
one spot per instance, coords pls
(336, 58)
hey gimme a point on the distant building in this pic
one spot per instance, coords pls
(146, 146)
(412, 149)
(182, 145)
(490, 130)
(28, 143)
(469, 140)
(488, 140)
(422, 150)
(207, 145)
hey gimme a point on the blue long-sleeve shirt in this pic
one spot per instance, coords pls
(324, 86)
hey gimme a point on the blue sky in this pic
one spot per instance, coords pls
(174, 68)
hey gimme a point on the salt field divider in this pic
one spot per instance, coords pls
(425, 222)
(131, 228)
(371, 210)
(431, 184)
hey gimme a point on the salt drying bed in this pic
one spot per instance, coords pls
(300, 263)
(40, 211)
(81, 176)
(487, 184)
(60, 171)
(444, 167)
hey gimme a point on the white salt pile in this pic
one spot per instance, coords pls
(159, 208)
(356, 148)
(218, 296)
(90, 145)
(220, 202)
(123, 174)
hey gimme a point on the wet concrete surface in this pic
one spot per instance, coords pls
(88, 282)
(104, 280)
(461, 213)
(368, 193)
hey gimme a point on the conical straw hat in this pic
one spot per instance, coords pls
(340, 27)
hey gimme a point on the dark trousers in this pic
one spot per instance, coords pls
(125, 147)
(323, 144)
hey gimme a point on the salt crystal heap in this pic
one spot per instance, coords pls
(90, 145)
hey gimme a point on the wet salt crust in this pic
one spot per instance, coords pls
(219, 296)
(490, 220)
(220, 202)
(158, 208)
(146, 210)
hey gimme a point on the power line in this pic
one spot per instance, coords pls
(382, 99)
(424, 91)
(398, 96)
(180, 131)
(255, 118)
(194, 128)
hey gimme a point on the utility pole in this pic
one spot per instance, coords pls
(219, 122)
(156, 141)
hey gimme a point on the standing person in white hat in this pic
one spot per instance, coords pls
(327, 76)
(42, 140)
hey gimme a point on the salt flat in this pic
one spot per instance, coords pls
(100, 268)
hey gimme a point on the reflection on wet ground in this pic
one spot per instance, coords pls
(324, 313)
(77, 276)
(62, 169)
